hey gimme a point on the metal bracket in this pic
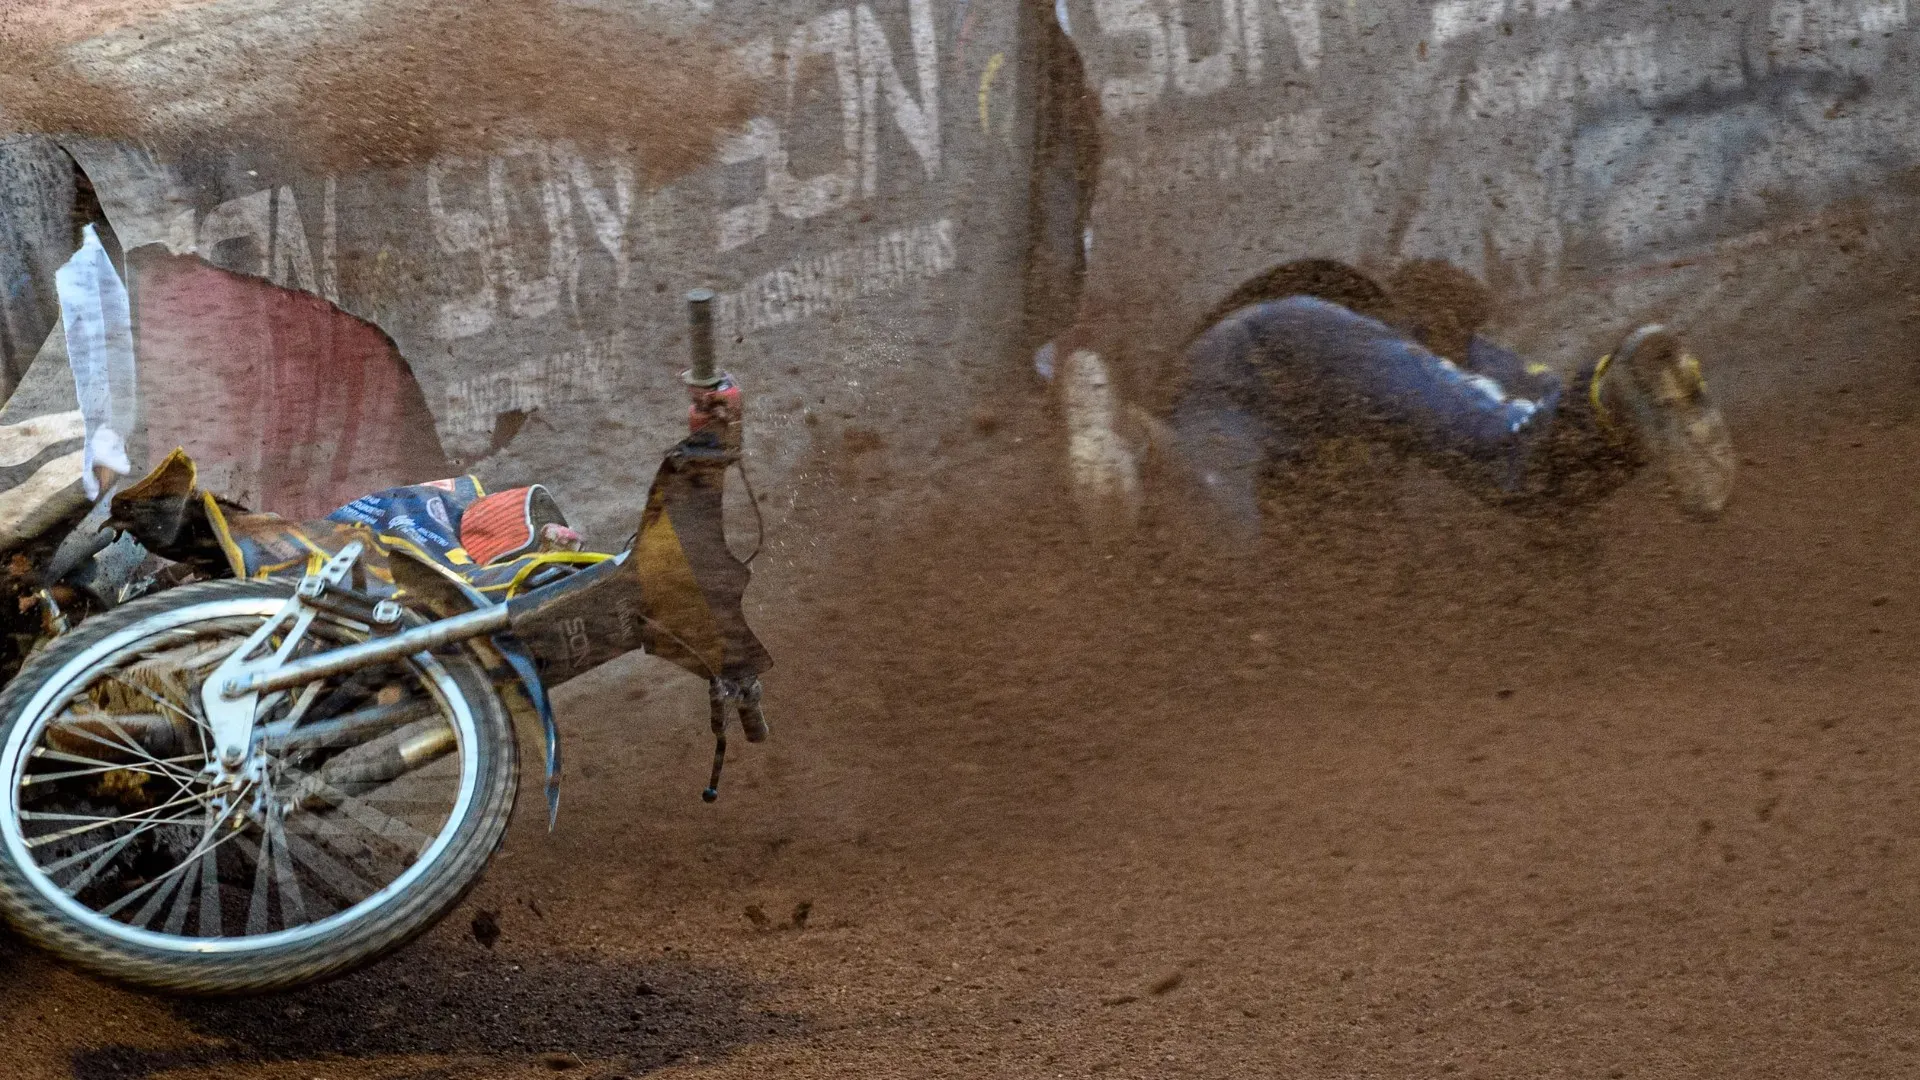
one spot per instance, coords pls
(229, 703)
(741, 697)
(528, 671)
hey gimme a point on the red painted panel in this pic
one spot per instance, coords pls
(290, 404)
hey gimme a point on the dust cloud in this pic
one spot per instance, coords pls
(399, 84)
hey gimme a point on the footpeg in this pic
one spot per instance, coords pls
(752, 720)
(718, 695)
(743, 698)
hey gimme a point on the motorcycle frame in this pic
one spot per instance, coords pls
(546, 635)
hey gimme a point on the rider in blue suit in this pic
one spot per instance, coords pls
(1316, 351)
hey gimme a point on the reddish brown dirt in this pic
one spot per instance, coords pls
(41, 92)
(74, 20)
(429, 79)
(1632, 799)
(1416, 789)
(415, 81)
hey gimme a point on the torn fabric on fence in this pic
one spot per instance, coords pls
(98, 318)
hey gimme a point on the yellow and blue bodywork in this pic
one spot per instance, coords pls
(676, 592)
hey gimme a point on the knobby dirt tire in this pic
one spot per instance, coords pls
(408, 913)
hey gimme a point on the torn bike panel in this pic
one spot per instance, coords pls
(677, 592)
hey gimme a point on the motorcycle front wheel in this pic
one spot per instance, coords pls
(371, 803)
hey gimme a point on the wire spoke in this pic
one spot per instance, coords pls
(200, 851)
(182, 903)
(86, 876)
(126, 741)
(381, 824)
(134, 766)
(262, 882)
(344, 842)
(158, 700)
(156, 900)
(52, 754)
(102, 819)
(181, 778)
(292, 904)
(210, 894)
(95, 737)
(47, 778)
(211, 657)
(346, 884)
(187, 774)
(273, 867)
(141, 816)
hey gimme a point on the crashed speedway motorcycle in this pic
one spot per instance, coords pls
(294, 766)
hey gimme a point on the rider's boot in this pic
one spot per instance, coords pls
(1651, 392)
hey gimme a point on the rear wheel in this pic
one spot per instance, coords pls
(371, 803)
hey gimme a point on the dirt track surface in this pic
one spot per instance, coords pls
(1415, 790)
(1640, 810)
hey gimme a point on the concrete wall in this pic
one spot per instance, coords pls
(1540, 142)
(36, 236)
(869, 230)
(866, 234)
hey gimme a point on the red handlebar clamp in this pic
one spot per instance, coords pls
(717, 405)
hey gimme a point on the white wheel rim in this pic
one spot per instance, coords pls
(78, 673)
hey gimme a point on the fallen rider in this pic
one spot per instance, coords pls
(1316, 351)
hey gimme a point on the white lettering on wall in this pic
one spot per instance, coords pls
(1624, 62)
(248, 218)
(831, 36)
(609, 220)
(1159, 35)
(462, 232)
(330, 240)
(511, 222)
(866, 76)
(1813, 24)
(272, 238)
(531, 291)
(1883, 16)
(759, 142)
(1224, 154)
(1458, 18)
(293, 265)
(583, 374)
(1200, 75)
(1302, 21)
(830, 282)
(1138, 23)
(917, 118)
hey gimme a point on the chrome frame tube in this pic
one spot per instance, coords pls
(473, 624)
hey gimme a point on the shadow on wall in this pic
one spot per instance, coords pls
(1066, 168)
(1712, 163)
(40, 211)
(1635, 181)
(453, 1000)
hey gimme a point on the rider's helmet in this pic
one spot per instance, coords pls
(1440, 305)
